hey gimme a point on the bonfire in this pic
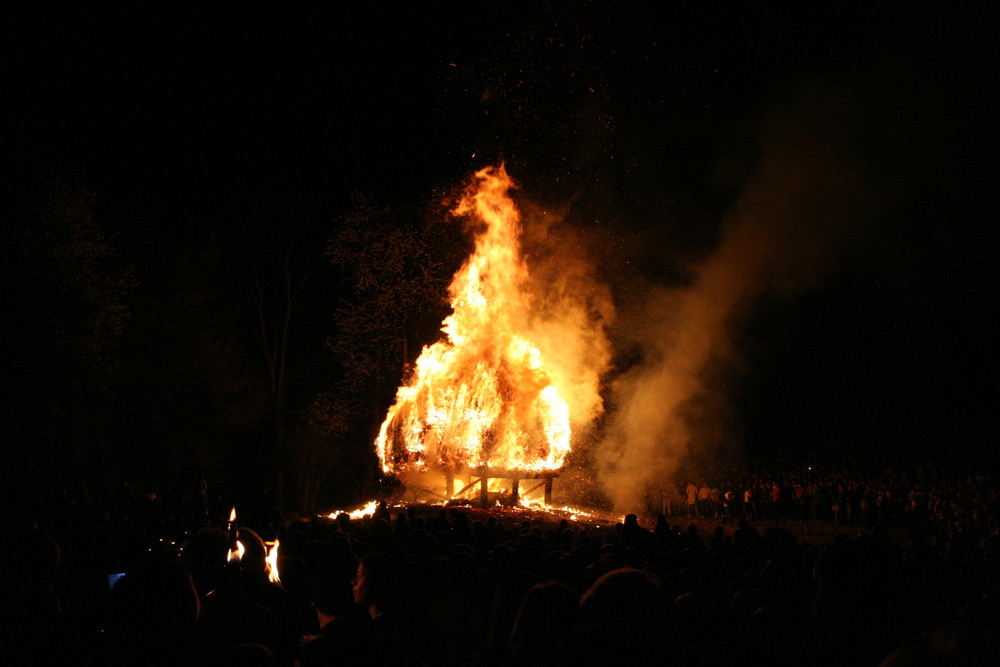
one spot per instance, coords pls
(481, 403)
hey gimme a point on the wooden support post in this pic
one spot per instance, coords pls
(449, 484)
(484, 491)
(514, 483)
(548, 490)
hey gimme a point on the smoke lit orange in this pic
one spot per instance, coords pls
(483, 397)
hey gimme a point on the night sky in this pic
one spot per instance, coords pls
(653, 127)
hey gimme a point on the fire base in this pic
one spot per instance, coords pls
(482, 477)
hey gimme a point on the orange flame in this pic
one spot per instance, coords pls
(236, 555)
(366, 510)
(272, 563)
(483, 397)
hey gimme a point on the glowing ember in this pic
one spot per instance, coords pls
(566, 511)
(483, 397)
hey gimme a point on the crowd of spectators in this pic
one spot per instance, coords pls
(916, 580)
(939, 501)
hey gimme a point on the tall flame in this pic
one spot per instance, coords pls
(483, 397)
(271, 562)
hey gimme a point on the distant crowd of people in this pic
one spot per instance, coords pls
(453, 586)
(939, 501)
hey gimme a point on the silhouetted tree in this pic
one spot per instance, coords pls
(196, 402)
(322, 459)
(395, 270)
(67, 310)
(277, 277)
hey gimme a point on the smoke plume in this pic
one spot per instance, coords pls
(572, 310)
(798, 207)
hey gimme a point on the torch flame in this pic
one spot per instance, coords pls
(236, 555)
(483, 397)
(232, 515)
(272, 563)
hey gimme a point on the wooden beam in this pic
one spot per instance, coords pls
(469, 486)
(535, 488)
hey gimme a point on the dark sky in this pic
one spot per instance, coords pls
(647, 121)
